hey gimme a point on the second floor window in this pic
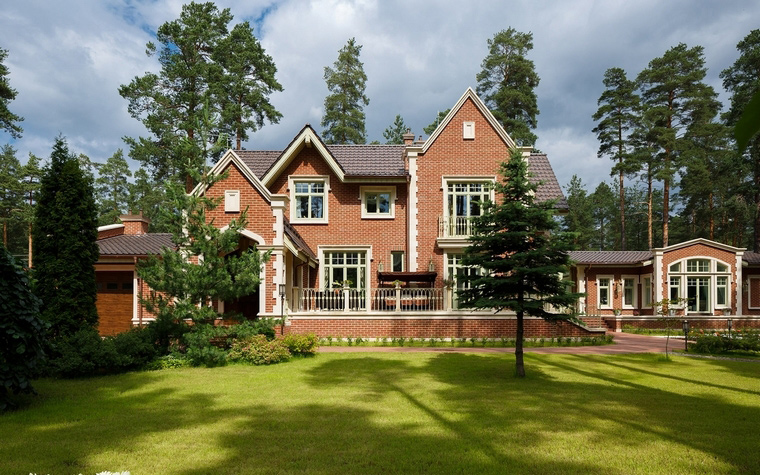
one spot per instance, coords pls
(466, 199)
(309, 199)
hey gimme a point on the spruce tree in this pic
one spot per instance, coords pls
(579, 219)
(31, 176)
(394, 134)
(603, 211)
(742, 80)
(520, 255)
(617, 116)
(507, 84)
(344, 106)
(112, 188)
(11, 192)
(65, 231)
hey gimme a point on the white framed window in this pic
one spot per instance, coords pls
(698, 265)
(231, 201)
(721, 291)
(456, 271)
(397, 261)
(674, 290)
(604, 292)
(468, 130)
(345, 267)
(629, 292)
(646, 292)
(308, 198)
(704, 282)
(378, 202)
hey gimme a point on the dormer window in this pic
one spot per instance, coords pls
(308, 199)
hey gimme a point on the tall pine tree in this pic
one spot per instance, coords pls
(742, 80)
(8, 120)
(65, 231)
(394, 134)
(579, 219)
(507, 84)
(617, 115)
(520, 254)
(344, 106)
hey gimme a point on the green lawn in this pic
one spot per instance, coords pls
(398, 413)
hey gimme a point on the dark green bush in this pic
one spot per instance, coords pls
(259, 351)
(306, 344)
(169, 361)
(136, 348)
(84, 353)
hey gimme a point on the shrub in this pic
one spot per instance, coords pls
(84, 353)
(135, 347)
(169, 361)
(258, 350)
(306, 344)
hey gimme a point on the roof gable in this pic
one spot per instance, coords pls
(306, 138)
(231, 158)
(706, 242)
(469, 94)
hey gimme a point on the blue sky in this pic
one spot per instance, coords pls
(68, 59)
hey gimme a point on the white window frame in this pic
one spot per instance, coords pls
(295, 179)
(401, 254)
(610, 287)
(231, 201)
(678, 286)
(635, 293)
(487, 180)
(646, 291)
(727, 294)
(468, 130)
(711, 272)
(366, 190)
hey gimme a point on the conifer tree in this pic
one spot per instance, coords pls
(507, 84)
(520, 255)
(675, 98)
(617, 115)
(344, 106)
(65, 231)
(112, 188)
(438, 119)
(11, 191)
(31, 177)
(742, 80)
(8, 120)
(394, 134)
(603, 211)
(579, 219)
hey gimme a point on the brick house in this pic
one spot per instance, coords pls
(367, 240)
(711, 282)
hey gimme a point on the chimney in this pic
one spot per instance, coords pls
(408, 137)
(135, 223)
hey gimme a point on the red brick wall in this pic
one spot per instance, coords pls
(616, 273)
(110, 233)
(451, 155)
(136, 227)
(431, 328)
(344, 213)
(259, 217)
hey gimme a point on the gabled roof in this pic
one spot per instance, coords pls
(230, 157)
(610, 257)
(469, 94)
(135, 244)
(541, 171)
(307, 137)
(704, 241)
(298, 241)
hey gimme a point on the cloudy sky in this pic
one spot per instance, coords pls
(67, 60)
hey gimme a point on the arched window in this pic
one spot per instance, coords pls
(702, 281)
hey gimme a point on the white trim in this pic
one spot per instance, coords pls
(468, 130)
(635, 278)
(643, 292)
(469, 94)
(232, 158)
(135, 293)
(706, 242)
(307, 138)
(580, 277)
(295, 179)
(249, 234)
(738, 269)
(391, 190)
(231, 201)
(610, 292)
(412, 221)
(367, 250)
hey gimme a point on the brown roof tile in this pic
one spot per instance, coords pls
(370, 160)
(541, 169)
(135, 244)
(298, 241)
(752, 257)
(610, 257)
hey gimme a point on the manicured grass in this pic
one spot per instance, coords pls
(398, 413)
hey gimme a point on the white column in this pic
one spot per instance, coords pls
(412, 212)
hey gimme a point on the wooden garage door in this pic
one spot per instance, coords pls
(114, 301)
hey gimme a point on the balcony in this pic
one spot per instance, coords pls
(381, 300)
(453, 231)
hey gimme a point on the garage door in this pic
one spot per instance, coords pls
(114, 301)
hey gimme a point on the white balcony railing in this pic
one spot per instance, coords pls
(383, 300)
(454, 226)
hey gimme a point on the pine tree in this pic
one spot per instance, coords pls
(344, 106)
(31, 176)
(603, 211)
(65, 231)
(112, 188)
(8, 120)
(617, 116)
(244, 90)
(394, 134)
(507, 84)
(11, 191)
(742, 80)
(520, 253)
(205, 71)
(675, 98)
(579, 219)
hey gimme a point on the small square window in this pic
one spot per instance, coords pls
(377, 203)
(468, 130)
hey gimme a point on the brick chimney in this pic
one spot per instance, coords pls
(408, 137)
(135, 223)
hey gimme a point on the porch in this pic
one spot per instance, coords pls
(384, 300)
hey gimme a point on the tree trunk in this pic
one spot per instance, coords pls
(519, 363)
(622, 209)
(665, 210)
(755, 156)
(712, 218)
(5, 234)
(29, 264)
(650, 214)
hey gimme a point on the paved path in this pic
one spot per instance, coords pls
(624, 343)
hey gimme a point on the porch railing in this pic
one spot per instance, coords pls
(454, 226)
(383, 300)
